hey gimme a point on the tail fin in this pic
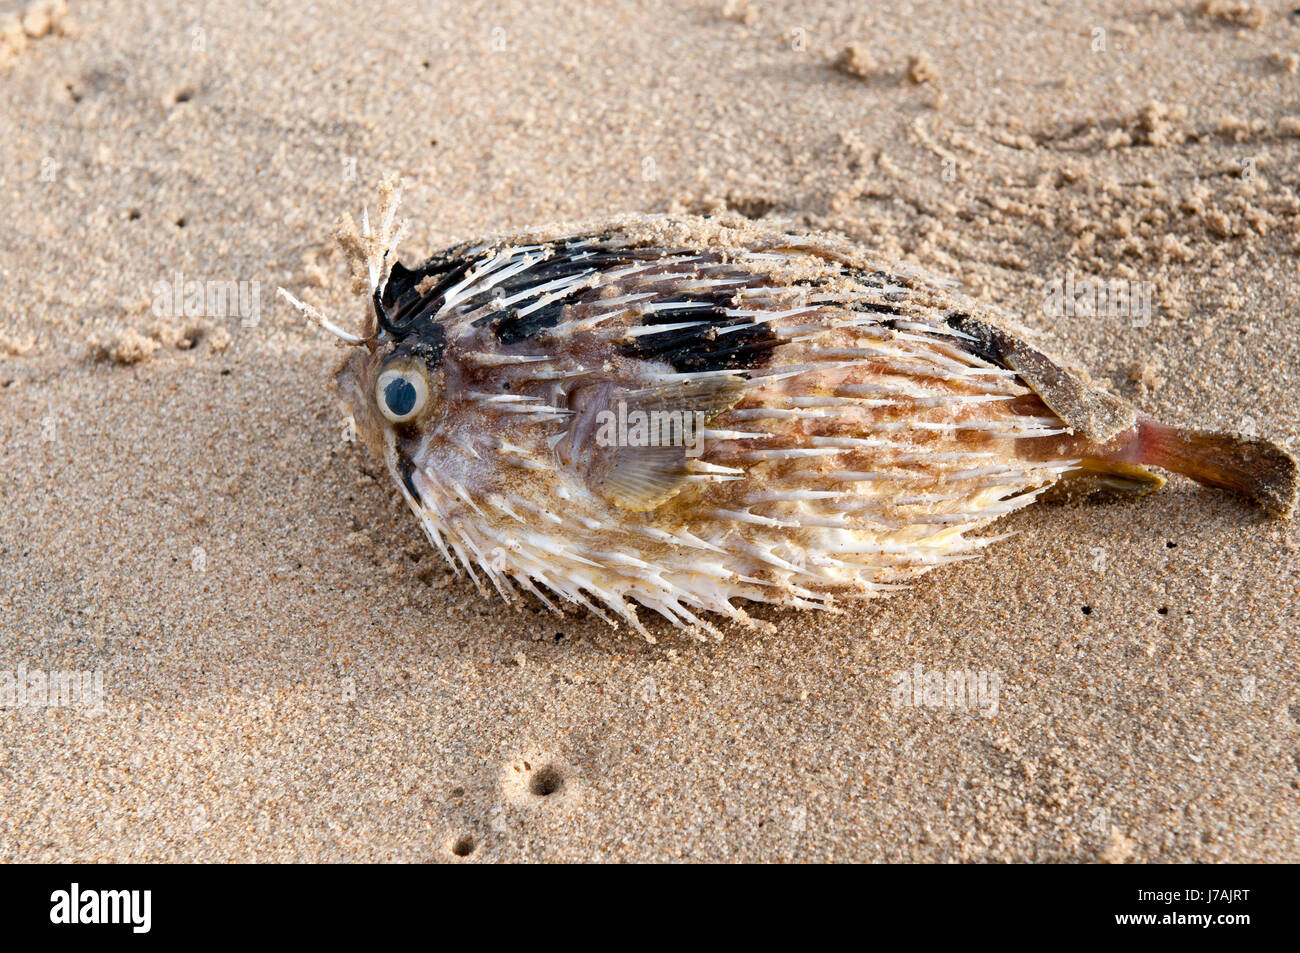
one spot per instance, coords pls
(1252, 466)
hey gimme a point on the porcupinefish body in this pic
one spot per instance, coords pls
(684, 414)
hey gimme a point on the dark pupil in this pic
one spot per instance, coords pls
(399, 395)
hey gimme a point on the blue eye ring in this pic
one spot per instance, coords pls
(402, 393)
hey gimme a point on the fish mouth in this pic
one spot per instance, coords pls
(347, 381)
(404, 471)
(350, 381)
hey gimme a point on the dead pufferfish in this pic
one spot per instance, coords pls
(684, 414)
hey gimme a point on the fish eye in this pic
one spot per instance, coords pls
(402, 392)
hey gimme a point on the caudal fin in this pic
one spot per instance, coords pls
(1252, 466)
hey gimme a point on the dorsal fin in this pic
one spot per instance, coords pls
(1092, 412)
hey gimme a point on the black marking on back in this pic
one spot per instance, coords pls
(880, 280)
(427, 340)
(401, 298)
(985, 345)
(703, 348)
(572, 259)
(510, 327)
(411, 312)
(875, 307)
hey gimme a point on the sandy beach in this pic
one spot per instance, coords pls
(270, 663)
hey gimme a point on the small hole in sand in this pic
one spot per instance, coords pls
(545, 781)
(1170, 544)
(180, 222)
(751, 207)
(189, 339)
(133, 215)
(463, 846)
(1087, 610)
(1163, 610)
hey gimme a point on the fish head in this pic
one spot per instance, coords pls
(396, 387)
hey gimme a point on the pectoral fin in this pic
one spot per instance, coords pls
(642, 478)
(613, 453)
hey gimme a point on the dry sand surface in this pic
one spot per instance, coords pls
(290, 673)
